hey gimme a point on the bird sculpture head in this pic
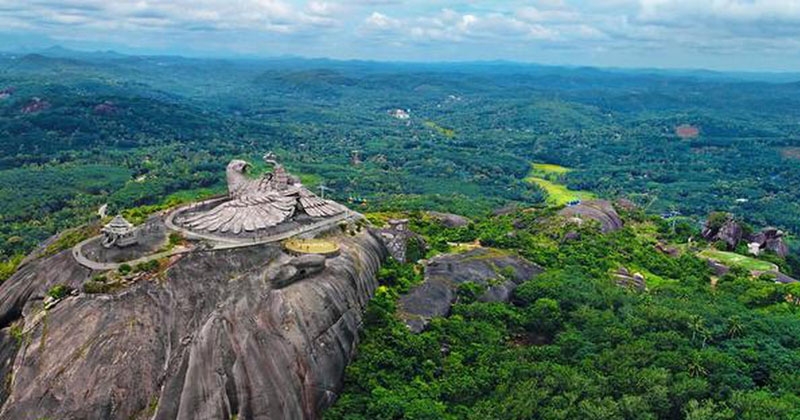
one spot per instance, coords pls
(271, 158)
(238, 166)
(235, 174)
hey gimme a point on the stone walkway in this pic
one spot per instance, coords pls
(217, 242)
(77, 253)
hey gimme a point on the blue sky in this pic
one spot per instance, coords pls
(716, 34)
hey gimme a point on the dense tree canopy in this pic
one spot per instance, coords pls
(574, 344)
(170, 124)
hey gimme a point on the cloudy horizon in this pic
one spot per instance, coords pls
(757, 35)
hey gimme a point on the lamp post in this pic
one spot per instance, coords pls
(322, 189)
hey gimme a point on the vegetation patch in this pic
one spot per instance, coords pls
(7, 268)
(101, 284)
(59, 291)
(550, 178)
(558, 194)
(447, 132)
(572, 343)
(70, 238)
(733, 259)
(545, 170)
(138, 215)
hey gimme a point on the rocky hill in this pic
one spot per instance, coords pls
(209, 337)
(498, 272)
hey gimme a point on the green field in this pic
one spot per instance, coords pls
(733, 259)
(447, 132)
(558, 194)
(545, 169)
(549, 177)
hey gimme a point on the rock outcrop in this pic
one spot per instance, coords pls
(209, 338)
(498, 271)
(782, 278)
(665, 248)
(599, 210)
(625, 279)
(449, 220)
(717, 267)
(770, 239)
(403, 244)
(723, 227)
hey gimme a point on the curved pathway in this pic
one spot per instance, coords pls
(77, 253)
(217, 242)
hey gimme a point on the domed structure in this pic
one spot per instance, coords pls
(119, 232)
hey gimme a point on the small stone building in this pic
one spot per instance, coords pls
(119, 232)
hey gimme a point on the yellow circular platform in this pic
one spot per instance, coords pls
(311, 246)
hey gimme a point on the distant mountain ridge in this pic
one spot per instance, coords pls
(58, 51)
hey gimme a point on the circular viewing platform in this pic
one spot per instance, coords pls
(311, 246)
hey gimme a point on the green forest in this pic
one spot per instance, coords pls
(504, 144)
(573, 344)
(81, 130)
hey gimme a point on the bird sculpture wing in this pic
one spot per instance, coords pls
(248, 213)
(317, 207)
(245, 187)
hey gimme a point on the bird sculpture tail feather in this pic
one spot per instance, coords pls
(318, 207)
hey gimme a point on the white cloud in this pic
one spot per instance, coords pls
(449, 25)
(320, 8)
(533, 14)
(175, 15)
(380, 21)
(733, 11)
(507, 29)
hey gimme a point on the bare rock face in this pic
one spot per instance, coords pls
(782, 278)
(625, 279)
(730, 233)
(771, 239)
(599, 210)
(668, 250)
(727, 230)
(718, 268)
(499, 272)
(449, 220)
(296, 269)
(212, 338)
(403, 244)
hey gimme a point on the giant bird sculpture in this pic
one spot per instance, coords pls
(261, 203)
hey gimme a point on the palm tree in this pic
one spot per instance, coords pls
(697, 326)
(695, 367)
(735, 326)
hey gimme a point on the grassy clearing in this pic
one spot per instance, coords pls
(652, 280)
(381, 218)
(733, 259)
(447, 132)
(544, 169)
(558, 194)
(549, 177)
